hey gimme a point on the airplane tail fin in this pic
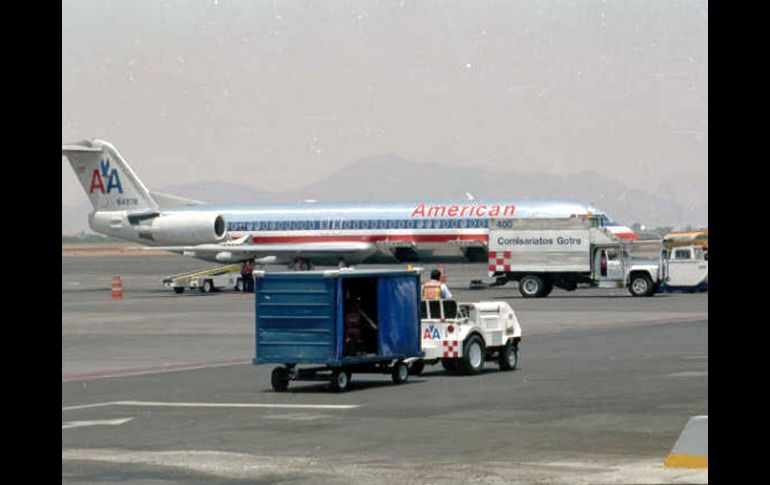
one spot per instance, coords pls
(107, 179)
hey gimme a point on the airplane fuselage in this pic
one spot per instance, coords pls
(409, 231)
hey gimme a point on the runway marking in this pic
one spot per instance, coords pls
(103, 422)
(689, 374)
(152, 370)
(296, 417)
(87, 406)
(564, 327)
(212, 405)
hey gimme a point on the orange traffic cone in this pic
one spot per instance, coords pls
(117, 288)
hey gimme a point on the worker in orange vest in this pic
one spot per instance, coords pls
(434, 289)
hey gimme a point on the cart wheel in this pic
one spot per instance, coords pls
(449, 365)
(279, 379)
(509, 357)
(416, 368)
(340, 380)
(400, 373)
(473, 355)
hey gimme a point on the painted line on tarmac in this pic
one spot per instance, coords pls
(152, 370)
(689, 374)
(103, 422)
(622, 324)
(246, 405)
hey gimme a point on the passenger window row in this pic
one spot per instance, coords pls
(328, 225)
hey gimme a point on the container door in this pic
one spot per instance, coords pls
(399, 316)
(295, 318)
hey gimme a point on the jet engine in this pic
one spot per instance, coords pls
(183, 228)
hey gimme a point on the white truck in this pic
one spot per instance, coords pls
(542, 253)
(463, 336)
(687, 269)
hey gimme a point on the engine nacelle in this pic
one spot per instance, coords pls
(192, 228)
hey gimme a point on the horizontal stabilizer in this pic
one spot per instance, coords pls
(166, 201)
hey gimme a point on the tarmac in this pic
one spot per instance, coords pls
(159, 388)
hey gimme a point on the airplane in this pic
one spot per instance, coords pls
(373, 232)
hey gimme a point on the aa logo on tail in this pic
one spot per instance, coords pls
(104, 173)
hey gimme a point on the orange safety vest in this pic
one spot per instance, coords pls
(431, 290)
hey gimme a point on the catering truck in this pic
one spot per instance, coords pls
(542, 253)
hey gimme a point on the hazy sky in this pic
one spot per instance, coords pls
(279, 94)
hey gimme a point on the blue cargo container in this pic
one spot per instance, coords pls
(342, 321)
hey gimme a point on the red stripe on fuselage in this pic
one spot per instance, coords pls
(424, 238)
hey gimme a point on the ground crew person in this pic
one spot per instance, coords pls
(247, 278)
(433, 289)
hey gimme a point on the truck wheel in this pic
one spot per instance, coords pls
(400, 373)
(208, 286)
(571, 286)
(449, 365)
(473, 355)
(547, 289)
(279, 379)
(531, 286)
(509, 357)
(641, 285)
(416, 368)
(179, 289)
(340, 380)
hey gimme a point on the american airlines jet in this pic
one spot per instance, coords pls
(323, 233)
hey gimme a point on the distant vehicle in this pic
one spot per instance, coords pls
(687, 269)
(206, 280)
(463, 336)
(687, 238)
(565, 252)
(546, 253)
(324, 233)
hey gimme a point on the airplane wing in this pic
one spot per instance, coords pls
(229, 252)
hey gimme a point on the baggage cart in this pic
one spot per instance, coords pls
(339, 322)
